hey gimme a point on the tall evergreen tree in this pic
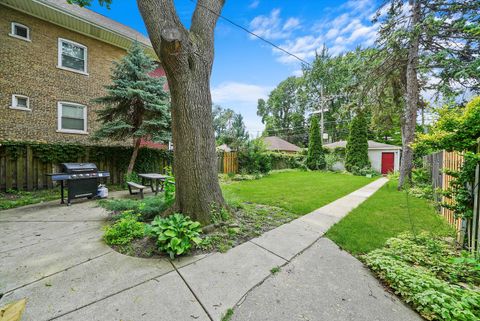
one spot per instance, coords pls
(136, 105)
(356, 154)
(315, 156)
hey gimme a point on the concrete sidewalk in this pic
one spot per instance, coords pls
(54, 256)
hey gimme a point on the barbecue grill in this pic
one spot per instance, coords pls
(81, 180)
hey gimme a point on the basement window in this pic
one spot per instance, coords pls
(20, 102)
(72, 118)
(72, 56)
(20, 31)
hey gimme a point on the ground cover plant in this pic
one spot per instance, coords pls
(429, 273)
(299, 192)
(14, 198)
(384, 215)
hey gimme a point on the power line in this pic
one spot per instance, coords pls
(253, 34)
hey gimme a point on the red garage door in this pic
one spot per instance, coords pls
(388, 162)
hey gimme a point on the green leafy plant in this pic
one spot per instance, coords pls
(169, 186)
(124, 230)
(439, 282)
(175, 234)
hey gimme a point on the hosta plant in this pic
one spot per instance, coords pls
(175, 234)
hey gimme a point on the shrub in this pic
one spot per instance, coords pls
(287, 160)
(147, 208)
(425, 272)
(315, 156)
(363, 171)
(175, 234)
(356, 153)
(330, 160)
(253, 158)
(124, 230)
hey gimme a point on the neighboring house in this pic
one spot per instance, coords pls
(384, 158)
(276, 144)
(55, 58)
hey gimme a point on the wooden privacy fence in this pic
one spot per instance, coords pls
(451, 161)
(25, 171)
(443, 161)
(227, 162)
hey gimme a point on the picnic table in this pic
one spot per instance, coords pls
(151, 179)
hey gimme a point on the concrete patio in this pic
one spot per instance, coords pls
(54, 256)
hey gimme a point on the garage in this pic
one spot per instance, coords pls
(384, 158)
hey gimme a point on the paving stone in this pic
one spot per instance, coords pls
(21, 234)
(289, 239)
(323, 284)
(85, 284)
(222, 279)
(166, 298)
(31, 263)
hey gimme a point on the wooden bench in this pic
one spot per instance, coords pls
(135, 186)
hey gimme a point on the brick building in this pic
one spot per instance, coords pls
(54, 59)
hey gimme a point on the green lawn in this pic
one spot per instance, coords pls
(299, 192)
(385, 215)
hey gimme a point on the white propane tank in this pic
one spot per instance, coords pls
(102, 191)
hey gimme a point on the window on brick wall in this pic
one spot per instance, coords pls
(20, 31)
(72, 118)
(20, 102)
(72, 56)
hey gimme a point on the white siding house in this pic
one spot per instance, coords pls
(384, 158)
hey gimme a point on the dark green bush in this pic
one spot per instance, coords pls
(253, 158)
(287, 160)
(315, 156)
(124, 230)
(356, 153)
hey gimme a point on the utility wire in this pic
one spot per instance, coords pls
(252, 33)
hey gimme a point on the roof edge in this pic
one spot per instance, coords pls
(149, 49)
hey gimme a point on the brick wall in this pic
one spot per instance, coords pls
(30, 69)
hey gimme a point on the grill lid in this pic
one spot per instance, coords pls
(79, 167)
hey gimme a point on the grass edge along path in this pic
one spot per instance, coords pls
(385, 215)
(299, 192)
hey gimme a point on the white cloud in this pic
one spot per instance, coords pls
(272, 26)
(292, 23)
(346, 28)
(254, 4)
(239, 92)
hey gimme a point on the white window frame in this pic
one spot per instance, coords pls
(14, 102)
(59, 62)
(59, 119)
(12, 31)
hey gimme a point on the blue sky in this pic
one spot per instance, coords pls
(245, 68)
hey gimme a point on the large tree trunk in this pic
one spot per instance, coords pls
(409, 118)
(133, 158)
(187, 56)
